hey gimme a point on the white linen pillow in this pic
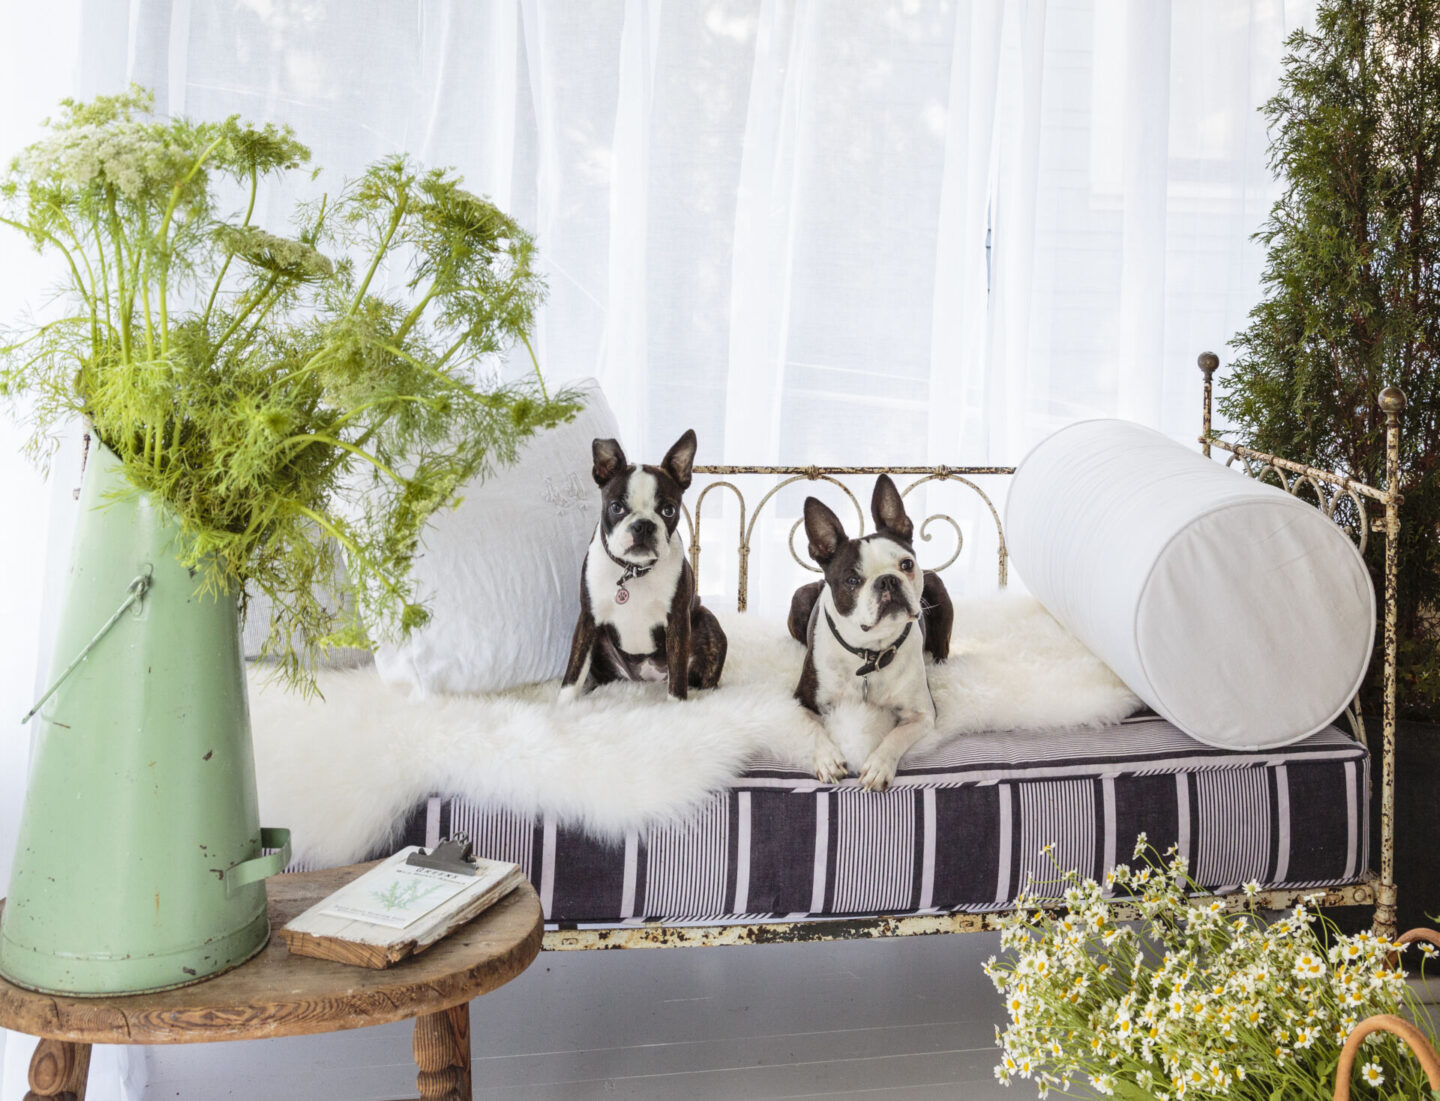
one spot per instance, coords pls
(501, 573)
(1237, 612)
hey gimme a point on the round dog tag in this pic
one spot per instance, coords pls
(622, 594)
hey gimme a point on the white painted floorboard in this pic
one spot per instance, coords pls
(910, 1019)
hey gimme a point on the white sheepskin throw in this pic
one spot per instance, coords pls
(344, 770)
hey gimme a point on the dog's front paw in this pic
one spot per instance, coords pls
(829, 766)
(570, 693)
(878, 771)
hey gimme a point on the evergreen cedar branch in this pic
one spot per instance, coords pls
(1351, 301)
(289, 413)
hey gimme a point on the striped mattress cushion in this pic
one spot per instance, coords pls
(961, 829)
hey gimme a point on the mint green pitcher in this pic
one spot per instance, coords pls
(140, 862)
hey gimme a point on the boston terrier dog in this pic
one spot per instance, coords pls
(867, 628)
(640, 618)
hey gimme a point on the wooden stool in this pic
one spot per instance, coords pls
(277, 994)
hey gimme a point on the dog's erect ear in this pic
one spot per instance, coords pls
(679, 461)
(609, 460)
(887, 509)
(823, 529)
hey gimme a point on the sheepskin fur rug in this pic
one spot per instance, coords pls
(344, 770)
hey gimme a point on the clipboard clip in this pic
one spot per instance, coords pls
(451, 855)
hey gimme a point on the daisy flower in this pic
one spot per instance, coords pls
(1104, 1083)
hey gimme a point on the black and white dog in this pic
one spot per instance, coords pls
(640, 618)
(867, 628)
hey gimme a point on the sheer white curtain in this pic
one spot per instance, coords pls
(37, 67)
(858, 231)
(849, 231)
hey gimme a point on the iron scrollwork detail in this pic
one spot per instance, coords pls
(1331, 497)
(748, 518)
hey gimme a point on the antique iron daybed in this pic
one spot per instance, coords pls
(782, 858)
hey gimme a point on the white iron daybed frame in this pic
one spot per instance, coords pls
(1340, 498)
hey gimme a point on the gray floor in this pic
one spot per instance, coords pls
(908, 1019)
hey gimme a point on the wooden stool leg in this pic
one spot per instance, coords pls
(58, 1071)
(442, 1052)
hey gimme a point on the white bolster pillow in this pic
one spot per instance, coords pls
(1239, 613)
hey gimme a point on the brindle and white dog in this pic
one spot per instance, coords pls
(640, 618)
(867, 628)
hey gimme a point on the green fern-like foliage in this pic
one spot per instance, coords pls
(1352, 282)
(292, 418)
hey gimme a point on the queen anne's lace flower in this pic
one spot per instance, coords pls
(280, 255)
(290, 415)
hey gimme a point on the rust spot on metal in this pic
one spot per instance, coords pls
(660, 935)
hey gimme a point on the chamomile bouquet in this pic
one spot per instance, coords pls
(1197, 998)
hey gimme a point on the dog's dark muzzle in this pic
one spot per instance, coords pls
(888, 585)
(642, 535)
(890, 596)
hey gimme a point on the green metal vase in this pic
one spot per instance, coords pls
(140, 862)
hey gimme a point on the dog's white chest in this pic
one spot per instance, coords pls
(901, 685)
(640, 604)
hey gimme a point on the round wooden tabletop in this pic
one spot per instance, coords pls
(277, 994)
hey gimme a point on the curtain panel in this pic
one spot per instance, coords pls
(911, 231)
(848, 232)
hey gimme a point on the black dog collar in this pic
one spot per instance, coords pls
(874, 659)
(632, 571)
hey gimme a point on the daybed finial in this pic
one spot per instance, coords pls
(1392, 400)
(1208, 362)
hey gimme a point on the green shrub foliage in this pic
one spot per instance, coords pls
(1352, 287)
(290, 415)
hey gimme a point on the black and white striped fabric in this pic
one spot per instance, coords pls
(962, 829)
